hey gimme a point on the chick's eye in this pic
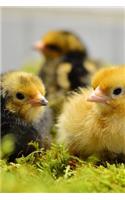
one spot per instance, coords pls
(117, 91)
(20, 96)
(53, 47)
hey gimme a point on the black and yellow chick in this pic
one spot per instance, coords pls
(66, 65)
(93, 121)
(65, 62)
(23, 112)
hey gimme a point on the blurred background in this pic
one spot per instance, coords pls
(101, 29)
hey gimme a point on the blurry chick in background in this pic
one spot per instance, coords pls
(66, 65)
(23, 112)
(93, 121)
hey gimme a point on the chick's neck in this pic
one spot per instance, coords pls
(27, 113)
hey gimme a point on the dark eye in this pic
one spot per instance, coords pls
(53, 47)
(20, 96)
(117, 91)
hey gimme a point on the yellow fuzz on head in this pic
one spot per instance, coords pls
(25, 93)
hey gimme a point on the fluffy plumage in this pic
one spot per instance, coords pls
(23, 112)
(93, 121)
(66, 66)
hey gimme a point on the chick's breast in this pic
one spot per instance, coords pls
(76, 126)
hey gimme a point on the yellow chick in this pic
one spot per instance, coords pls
(23, 111)
(25, 94)
(93, 121)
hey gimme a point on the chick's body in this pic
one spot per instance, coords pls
(64, 68)
(22, 112)
(96, 126)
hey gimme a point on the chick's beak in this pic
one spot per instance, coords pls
(39, 101)
(43, 101)
(39, 46)
(98, 96)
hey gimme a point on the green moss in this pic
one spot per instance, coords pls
(57, 171)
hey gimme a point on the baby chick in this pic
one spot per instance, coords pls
(64, 68)
(93, 121)
(23, 112)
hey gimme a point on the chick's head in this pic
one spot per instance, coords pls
(109, 88)
(57, 43)
(24, 95)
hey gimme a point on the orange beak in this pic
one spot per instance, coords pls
(98, 96)
(39, 101)
(39, 46)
